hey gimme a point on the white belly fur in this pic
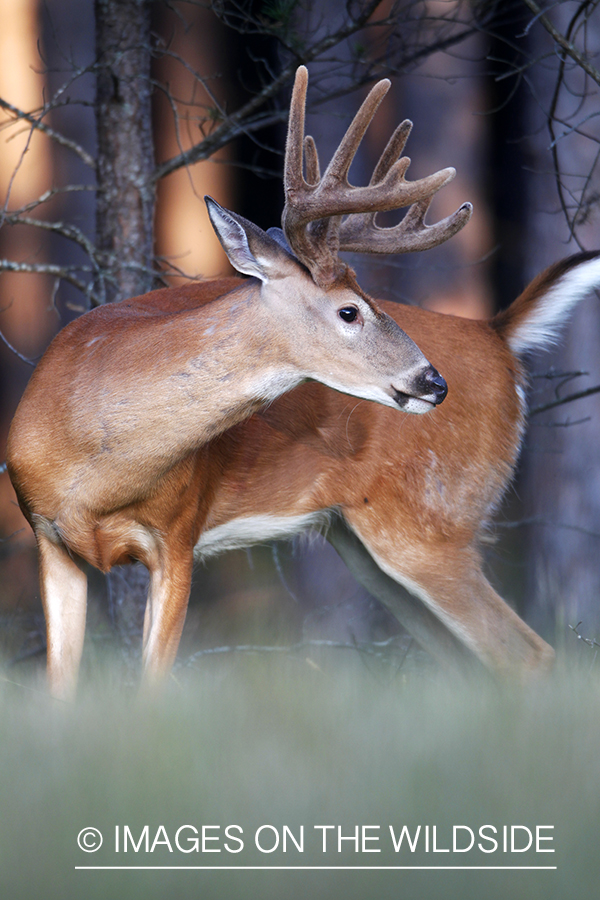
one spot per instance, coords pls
(256, 530)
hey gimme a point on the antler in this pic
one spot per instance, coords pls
(315, 205)
(360, 234)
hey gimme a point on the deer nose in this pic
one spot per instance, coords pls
(431, 382)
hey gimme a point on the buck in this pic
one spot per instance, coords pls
(404, 500)
(111, 438)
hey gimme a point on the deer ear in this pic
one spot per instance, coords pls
(278, 236)
(250, 249)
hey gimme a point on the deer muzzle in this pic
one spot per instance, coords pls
(428, 390)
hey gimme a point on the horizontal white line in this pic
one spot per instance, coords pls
(328, 868)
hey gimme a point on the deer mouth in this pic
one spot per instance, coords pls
(412, 403)
(421, 402)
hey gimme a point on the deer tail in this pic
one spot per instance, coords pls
(535, 319)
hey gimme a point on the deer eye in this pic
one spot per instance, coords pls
(348, 313)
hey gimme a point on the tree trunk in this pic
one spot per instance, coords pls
(124, 203)
(125, 193)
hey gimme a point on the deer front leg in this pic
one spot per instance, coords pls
(449, 581)
(170, 584)
(64, 598)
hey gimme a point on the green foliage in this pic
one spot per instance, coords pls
(278, 13)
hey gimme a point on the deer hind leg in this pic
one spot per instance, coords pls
(170, 584)
(63, 587)
(418, 620)
(449, 581)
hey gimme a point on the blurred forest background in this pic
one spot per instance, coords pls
(102, 200)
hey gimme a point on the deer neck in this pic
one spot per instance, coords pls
(189, 376)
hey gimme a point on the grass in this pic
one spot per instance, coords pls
(252, 741)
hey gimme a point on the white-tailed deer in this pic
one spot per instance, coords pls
(403, 499)
(105, 450)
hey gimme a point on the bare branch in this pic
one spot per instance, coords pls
(71, 232)
(30, 362)
(579, 395)
(569, 48)
(251, 117)
(63, 272)
(50, 194)
(36, 123)
(545, 523)
(591, 642)
(235, 125)
(378, 649)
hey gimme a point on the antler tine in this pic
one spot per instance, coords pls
(360, 234)
(293, 179)
(393, 151)
(311, 159)
(338, 168)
